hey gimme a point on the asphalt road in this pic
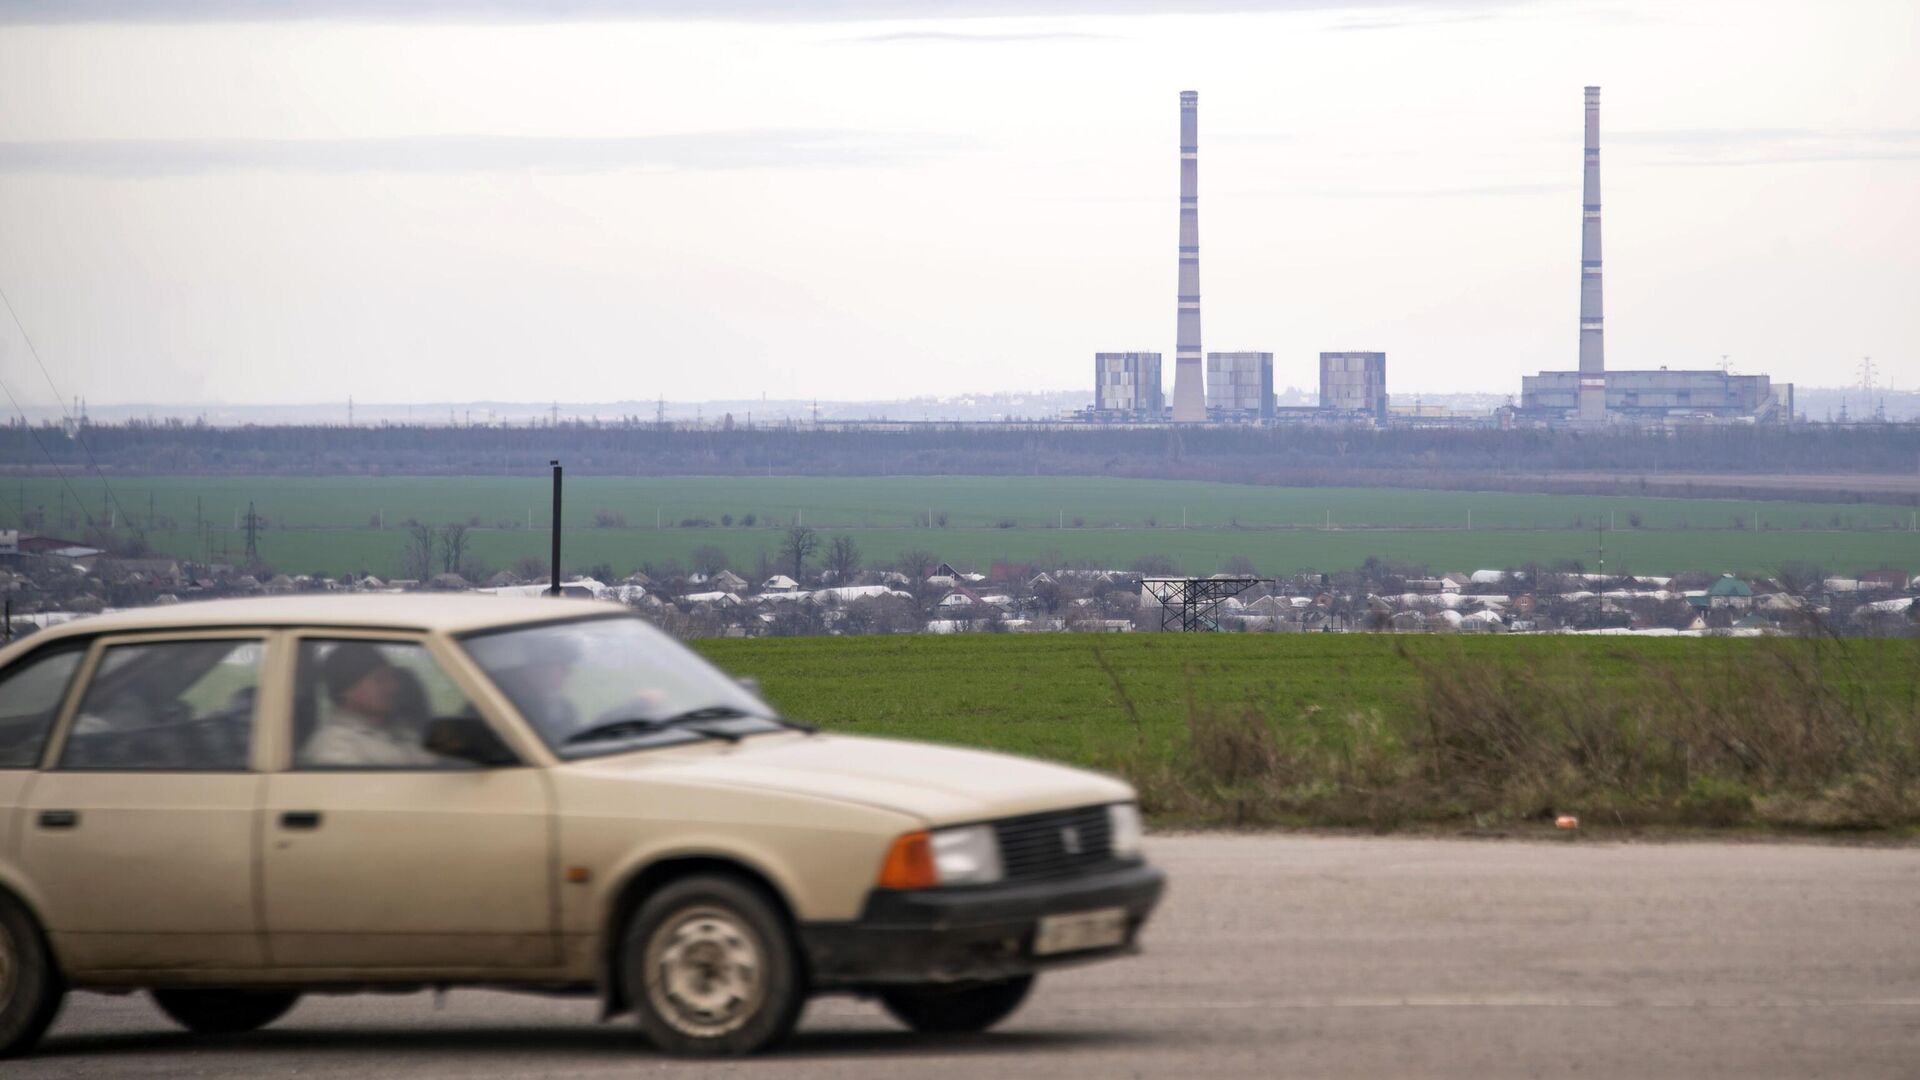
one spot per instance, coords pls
(1274, 956)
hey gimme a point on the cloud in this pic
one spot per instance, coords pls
(1480, 191)
(695, 151)
(1404, 19)
(817, 11)
(1770, 146)
(952, 38)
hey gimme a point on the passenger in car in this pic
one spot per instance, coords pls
(367, 723)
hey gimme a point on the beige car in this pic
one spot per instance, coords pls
(230, 804)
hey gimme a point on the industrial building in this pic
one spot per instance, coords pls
(1654, 397)
(1240, 386)
(1591, 396)
(1189, 401)
(1126, 386)
(1354, 383)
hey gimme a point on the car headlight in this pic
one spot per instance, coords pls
(967, 856)
(1123, 819)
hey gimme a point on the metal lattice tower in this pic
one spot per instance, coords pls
(1188, 604)
(253, 534)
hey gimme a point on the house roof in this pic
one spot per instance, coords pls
(1728, 585)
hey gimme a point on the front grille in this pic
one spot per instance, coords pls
(1037, 845)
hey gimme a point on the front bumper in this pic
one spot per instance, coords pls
(974, 934)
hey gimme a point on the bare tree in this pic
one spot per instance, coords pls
(709, 559)
(798, 546)
(417, 560)
(917, 564)
(453, 546)
(843, 558)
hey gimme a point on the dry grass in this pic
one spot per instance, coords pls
(1788, 734)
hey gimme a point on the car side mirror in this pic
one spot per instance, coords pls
(469, 739)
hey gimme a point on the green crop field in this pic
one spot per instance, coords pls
(1384, 730)
(340, 524)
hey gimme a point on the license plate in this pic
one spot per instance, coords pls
(1080, 930)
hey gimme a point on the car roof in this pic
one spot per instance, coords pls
(451, 613)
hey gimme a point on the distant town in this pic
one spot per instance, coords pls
(817, 584)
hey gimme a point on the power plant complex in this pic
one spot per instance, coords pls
(1237, 387)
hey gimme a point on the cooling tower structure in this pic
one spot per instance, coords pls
(1189, 387)
(1593, 365)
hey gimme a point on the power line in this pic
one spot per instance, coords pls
(58, 400)
(57, 471)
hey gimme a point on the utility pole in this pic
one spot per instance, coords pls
(554, 588)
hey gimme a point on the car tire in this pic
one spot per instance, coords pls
(949, 1011)
(710, 968)
(224, 1012)
(31, 989)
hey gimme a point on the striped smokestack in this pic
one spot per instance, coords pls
(1189, 389)
(1593, 364)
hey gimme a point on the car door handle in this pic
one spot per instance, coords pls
(59, 819)
(300, 819)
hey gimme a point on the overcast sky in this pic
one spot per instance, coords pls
(600, 200)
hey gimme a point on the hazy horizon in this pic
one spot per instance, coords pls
(204, 202)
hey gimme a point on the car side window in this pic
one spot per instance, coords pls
(368, 704)
(180, 706)
(30, 695)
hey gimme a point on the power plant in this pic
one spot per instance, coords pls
(1593, 353)
(1237, 387)
(1189, 402)
(1591, 397)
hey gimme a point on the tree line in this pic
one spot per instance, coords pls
(1303, 455)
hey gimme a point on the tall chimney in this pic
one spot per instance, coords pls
(1189, 387)
(1593, 364)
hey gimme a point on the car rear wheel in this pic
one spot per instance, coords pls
(942, 1010)
(30, 986)
(224, 1012)
(710, 968)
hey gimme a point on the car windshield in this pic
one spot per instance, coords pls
(607, 686)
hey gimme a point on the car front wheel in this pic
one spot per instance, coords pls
(224, 1012)
(941, 1010)
(710, 968)
(30, 986)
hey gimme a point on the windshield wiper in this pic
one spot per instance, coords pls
(622, 727)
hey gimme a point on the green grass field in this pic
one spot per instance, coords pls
(328, 524)
(1349, 729)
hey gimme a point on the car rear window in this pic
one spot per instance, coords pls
(30, 695)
